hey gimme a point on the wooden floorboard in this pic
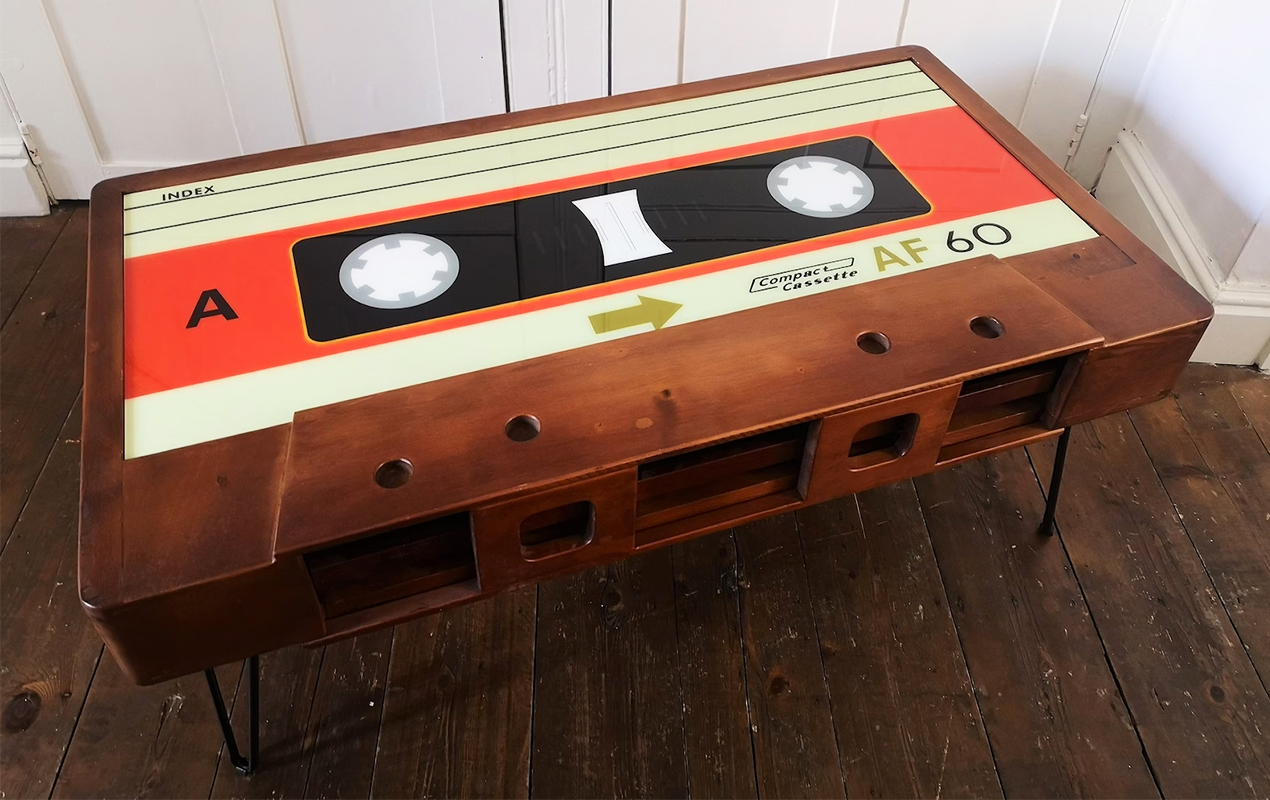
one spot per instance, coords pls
(457, 710)
(795, 751)
(1217, 473)
(24, 242)
(1053, 712)
(719, 752)
(1198, 705)
(41, 365)
(906, 718)
(48, 646)
(900, 643)
(608, 708)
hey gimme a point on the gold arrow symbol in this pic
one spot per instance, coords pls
(648, 312)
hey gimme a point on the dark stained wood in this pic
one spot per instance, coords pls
(1217, 474)
(157, 742)
(904, 710)
(719, 753)
(1053, 712)
(1252, 390)
(794, 750)
(833, 469)
(344, 724)
(49, 648)
(41, 365)
(1199, 707)
(608, 715)
(597, 417)
(458, 704)
(496, 530)
(24, 242)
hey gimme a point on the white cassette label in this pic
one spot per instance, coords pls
(619, 222)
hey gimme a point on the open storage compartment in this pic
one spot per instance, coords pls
(719, 484)
(394, 564)
(1000, 408)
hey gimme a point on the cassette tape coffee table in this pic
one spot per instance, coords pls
(332, 388)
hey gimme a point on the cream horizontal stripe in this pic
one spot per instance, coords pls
(217, 409)
(345, 194)
(522, 134)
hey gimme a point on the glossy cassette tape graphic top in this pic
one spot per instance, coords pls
(254, 296)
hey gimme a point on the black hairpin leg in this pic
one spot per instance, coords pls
(1056, 483)
(243, 765)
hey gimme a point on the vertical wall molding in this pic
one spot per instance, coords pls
(1136, 191)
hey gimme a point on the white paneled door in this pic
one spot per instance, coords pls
(110, 87)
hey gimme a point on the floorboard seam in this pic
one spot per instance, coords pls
(308, 723)
(383, 708)
(1093, 620)
(961, 646)
(679, 664)
(53, 243)
(75, 725)
(1181, 519)
(820, 648)
(745, 670)
(533, 703)
(47, 456)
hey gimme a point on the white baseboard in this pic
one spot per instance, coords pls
(1134, 189)
(21, 192)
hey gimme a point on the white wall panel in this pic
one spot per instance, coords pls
(727, 37)
(385, 65)
(249, 55)
(470, 55)
(1068, 69)
(47, 101)
(994, 45)
(647, 35)
(1206, 120)
(557, 51)
(147, 79)
(863, 25)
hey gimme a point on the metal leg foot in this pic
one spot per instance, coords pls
(1056, 483)
(248, 764)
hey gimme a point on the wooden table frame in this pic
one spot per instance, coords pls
(1110, 326)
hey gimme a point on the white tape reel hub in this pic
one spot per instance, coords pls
(820, 186)
(400, 270)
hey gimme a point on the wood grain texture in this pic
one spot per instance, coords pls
(795, 754)
(1197, 702)
(608, 718)
(157, 742)
(460, 693)
(41, 365)
(1252, 390)
(1217, 473)
(50, 650)
(1053, 712)
(24, 242)
(591, 414)
(348, 706)
(891, 654)
(718, 750)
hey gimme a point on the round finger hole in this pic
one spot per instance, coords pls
(522, 428)
(873, 342)
(987, 327)
(392, 474)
